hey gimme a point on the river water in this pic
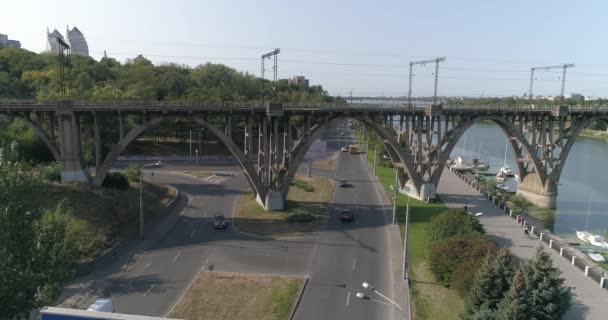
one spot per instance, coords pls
(582, 190)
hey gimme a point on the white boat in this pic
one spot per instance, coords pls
(463, 164)
(500, 177)
(483, 166)
(502, 187)
(598, 241)
(506, 170)
(596, 257)
(583, 236)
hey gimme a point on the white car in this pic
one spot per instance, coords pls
(341, 133)
(344, 149)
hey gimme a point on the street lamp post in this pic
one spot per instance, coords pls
(375, 156)
(363, 296)
(196, 155)
(394, 198)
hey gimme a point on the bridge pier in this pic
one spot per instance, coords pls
(72, 164)
(541, 195)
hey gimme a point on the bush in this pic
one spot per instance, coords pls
(453, 222)
(51, 172)
(519, 204)
(299, 215)
(447, 255)
(133, 172)
(302, 185)
(116, 180)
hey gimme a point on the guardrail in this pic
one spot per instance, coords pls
(253, 105)
(544, 235)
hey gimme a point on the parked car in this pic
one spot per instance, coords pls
(346, 215)
(342, 184)
(344, 149)
(219, 222)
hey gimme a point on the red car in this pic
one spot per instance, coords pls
(346, 215)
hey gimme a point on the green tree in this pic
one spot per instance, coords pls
(453, 222)
(517, 303)
(550, 299)
(446, 255)
(490, 285)
(133, 172)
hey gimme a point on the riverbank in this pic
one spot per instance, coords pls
(595, 134)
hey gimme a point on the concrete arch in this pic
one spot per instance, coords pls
(246, 165)
(451, 139)
(565, 151)
(299, 151)
(41, 135)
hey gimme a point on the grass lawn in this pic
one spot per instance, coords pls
(110, 214)
(250, 217)
(235, 296)
(430, 300)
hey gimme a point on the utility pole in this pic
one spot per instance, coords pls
(563, 66)
(424, 62)
(351, 96)
(64, 63)
(274, 54)
(375, 156)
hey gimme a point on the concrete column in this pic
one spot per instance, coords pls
(52, 127)
(285, 141)
(248, 135)
(72, 165)
(228, 125)
(121, 127)
(97, 142)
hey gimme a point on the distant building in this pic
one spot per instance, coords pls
(75, 38)
(577, 97)
(5, 42)
(51, 41)
(299, 81)
(78, 43)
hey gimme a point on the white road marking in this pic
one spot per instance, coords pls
(192, 233)
(176, 256)
(348, 298)
(207, 261)
(151, 287)
(354, 263)
(147, 266)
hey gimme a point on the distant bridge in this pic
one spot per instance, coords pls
(419, 146)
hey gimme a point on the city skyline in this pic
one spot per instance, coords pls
(490, 47)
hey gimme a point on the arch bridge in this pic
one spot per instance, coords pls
(275, 137)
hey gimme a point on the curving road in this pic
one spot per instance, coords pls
(148, 277)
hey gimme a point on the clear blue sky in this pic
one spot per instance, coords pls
(490, 45)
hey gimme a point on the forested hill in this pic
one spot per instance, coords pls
(27, 75)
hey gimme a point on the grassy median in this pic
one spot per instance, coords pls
(235, 296)
(430, 299)
(250, 217)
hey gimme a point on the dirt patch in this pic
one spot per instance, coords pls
(235, 296)
(250, 217)
(327, 164)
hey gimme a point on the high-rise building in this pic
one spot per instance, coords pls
(78, 43)
(5, 42)
(51, 41)
(299, 81)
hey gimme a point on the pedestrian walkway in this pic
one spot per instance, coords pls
(590, 301)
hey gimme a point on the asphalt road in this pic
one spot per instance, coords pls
(348, 254)
(148, 277)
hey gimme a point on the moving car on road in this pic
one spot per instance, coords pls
(344, 149)
(342, 184)
(346, 215)
(219, 222)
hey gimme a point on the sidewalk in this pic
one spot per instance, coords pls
(590, 301)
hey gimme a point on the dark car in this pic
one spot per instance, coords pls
(346, 215)
(219, 222)
(343, 184)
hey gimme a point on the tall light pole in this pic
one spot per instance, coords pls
(405, 236)
(394, 198)
(563, 66)
(375, 156)
(363, 296)
(141, 201)
(423, 62)
(190, 146)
